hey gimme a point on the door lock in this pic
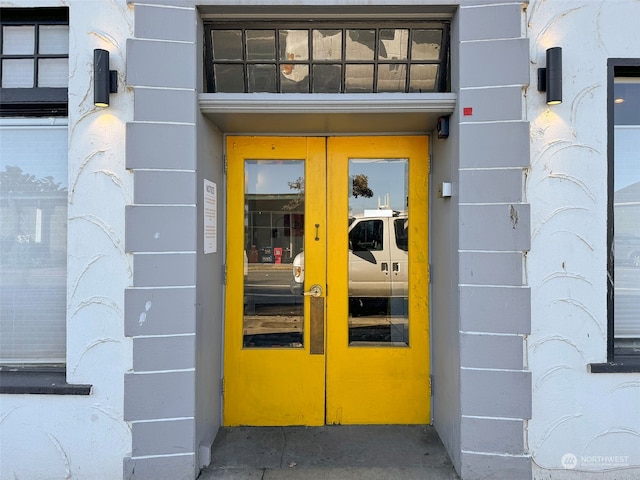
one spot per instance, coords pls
(315, 291)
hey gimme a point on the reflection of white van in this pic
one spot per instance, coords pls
(378, 256)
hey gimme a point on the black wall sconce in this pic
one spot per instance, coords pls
(443, 127)
(550, 78)
(105, 81)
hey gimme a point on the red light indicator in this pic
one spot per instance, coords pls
(467, 111)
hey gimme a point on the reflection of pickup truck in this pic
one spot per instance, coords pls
(627, 249)
(378, 260)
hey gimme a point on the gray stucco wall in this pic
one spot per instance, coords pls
(209, 291)
(444, 217)
(445, 337)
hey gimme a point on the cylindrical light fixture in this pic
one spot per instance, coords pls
(554, 75)
(105, 81)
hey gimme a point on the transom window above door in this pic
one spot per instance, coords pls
(327, 57)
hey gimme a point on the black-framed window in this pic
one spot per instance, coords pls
(623, 217)
(34, 61)
(34, 72)
(327, 57)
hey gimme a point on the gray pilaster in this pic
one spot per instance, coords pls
(163, 353)
(495, 233)
(495, 466)
(504, 432)
(496, 393)
(161, 395)
(161, 145)
(164, 105)
(491, 268)
(493, 145)
(159, 311)
(179, 467)
(148, 437)
(492, 185)
(164, 187)
(493, 351)
(498, 227)
(161, 233)
(161, 63)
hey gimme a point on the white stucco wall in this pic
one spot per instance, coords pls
(51, 436)
(574, 411)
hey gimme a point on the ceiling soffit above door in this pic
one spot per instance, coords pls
(326, 113)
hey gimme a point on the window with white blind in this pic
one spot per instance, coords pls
(33, 240)
(34, 46)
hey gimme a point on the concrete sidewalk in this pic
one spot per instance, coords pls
(370, 452)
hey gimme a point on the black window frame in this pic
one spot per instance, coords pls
(616, 363)
(35, 101)
(442, 81)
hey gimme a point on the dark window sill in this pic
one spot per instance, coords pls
(622, 364)
(39, 382)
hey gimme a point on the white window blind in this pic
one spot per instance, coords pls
(33, 240)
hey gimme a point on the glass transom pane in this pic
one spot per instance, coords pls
(392, 77)
(423, 78)
(294, 45)
(18, 40)
(262, 78)
(394, 44)
(360, 45)
(227, 44)
(261, 45)
(327, 78)
(53, 72)
(327, 44)
(294, 78)
(425, 44)
(54, 39)
(358, 79)
(229, 78)
(17, 73)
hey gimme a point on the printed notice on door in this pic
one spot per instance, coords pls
(210, 217)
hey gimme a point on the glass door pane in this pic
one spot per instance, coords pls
(378, 252)
(274, 233)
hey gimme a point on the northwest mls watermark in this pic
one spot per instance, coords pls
(571, 461)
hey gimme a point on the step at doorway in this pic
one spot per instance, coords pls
(403, 452)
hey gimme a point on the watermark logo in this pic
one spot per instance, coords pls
(570, 461)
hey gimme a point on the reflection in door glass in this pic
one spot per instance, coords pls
(378, 252)
(274, 233)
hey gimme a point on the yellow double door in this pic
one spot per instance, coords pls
(327, 290)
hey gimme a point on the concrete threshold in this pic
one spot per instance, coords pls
(358, 452)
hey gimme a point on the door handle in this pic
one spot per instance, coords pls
(316, 320)
(396, 267)
(384, 267)
(315, 291)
